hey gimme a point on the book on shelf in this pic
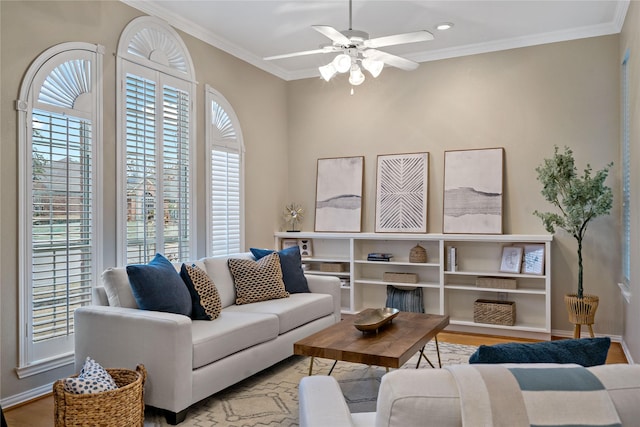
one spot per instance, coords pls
(452, 258)
(379, 256)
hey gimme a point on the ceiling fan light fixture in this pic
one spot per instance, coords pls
(356, 77)
(342, 63)
(372, 66)
(327, 71)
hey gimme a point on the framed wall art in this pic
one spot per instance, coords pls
(511, 259)
(473, 191)
(401, 193)
(533, 262)
(339, 183)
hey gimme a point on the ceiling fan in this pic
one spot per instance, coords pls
(356, 48)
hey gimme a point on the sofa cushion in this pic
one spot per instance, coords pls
(292, 312)
(204, 295)
(157, 286)
(257, 280)
(230, 333)
(116, 285)
(218, 270)
(291, 265)
(584, 351)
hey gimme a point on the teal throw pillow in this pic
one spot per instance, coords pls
(291, 264)
(157, 286)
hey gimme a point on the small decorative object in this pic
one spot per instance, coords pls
(288, 243)
(293, 215)
(339, 186)
(306, 249)
(452, 258)
(511, 259)
(579, 199)
(418, 254)
(533, 262)
(473, 191)
(401, 193)
(372, 319)
(494, 312)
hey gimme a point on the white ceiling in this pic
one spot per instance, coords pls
(252, 30)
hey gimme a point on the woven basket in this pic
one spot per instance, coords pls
(581, 311)
(418, 254)
(494, 312)
(400, 277)
(122, 407)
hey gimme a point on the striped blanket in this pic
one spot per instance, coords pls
(533, 396)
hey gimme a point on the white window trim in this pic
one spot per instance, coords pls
(213, 95)
(625, 284)
(187, 74)
(26, 366)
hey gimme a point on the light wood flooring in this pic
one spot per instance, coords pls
(39, 412)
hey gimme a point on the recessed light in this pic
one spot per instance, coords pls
(444, 26)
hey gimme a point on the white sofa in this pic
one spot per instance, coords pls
(189, 360)
(431, 398)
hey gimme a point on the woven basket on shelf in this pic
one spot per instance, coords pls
(418, 254)
(122, 407)
(494, 312)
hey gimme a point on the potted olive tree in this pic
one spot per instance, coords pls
(578, 200)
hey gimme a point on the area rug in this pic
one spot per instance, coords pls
(270, 398)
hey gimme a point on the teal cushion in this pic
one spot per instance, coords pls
(291, 265)
(157, 286)
(585, 352)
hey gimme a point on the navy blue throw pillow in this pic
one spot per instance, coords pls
(585, 351)
(157, 286)
(291, 265)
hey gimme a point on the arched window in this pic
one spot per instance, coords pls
(60, 130)
(155, 133)
(225, 177)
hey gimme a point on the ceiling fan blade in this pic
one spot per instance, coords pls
(326, 49)
(335, 35)
(389, 59)
(414, 37)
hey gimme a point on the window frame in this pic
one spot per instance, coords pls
(625, 284)
(59, 351)
(149, 46)
(237, 146)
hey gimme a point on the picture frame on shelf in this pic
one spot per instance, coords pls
(289, 243)
(402, 182)
(473, 190)
(339, 186)
(533, 260)
(511, 259)
(306, 247)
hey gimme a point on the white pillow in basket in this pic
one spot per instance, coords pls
(93, 378)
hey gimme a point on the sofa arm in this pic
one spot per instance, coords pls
(326, 285)
(118, 337)
(322, 403)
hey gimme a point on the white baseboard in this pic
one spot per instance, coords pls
(627, 353)
(583, 334)
(26, 396)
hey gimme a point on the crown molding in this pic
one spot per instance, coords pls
(187, 26)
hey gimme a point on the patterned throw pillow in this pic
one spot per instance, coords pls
(257, 280)
(93, 378)
(204, 294)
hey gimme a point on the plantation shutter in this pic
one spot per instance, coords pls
(158, 168)
(62, 222)
(626, 175)
(225, 201)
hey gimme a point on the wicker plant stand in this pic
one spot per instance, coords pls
(582, 311)
(123, 407)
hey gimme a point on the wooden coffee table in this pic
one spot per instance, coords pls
(391, 347)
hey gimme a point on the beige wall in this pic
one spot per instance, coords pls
(525, 100)
(630, 40)
(258, 98)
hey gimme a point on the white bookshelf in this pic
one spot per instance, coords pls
(444, 292)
